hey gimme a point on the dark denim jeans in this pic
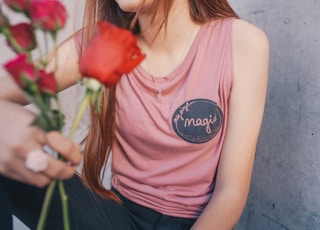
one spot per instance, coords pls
(87, 210)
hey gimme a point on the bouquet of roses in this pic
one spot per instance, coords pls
(110, 53)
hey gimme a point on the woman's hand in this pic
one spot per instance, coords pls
(18, 138)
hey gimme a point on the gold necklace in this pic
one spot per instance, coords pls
(158, 89)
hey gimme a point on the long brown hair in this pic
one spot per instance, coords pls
(101, 129)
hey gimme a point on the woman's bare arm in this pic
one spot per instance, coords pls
(246, 107)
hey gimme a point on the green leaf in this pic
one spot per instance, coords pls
(58, 118)
(42, 123)
(49, 120)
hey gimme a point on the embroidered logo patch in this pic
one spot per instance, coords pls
(197, 121)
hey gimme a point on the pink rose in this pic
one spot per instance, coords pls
(48, 15)
(47, 82)
(23, 35)
(111, 53)
(21, 70)
(18, 5)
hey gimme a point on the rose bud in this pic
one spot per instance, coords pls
(48, 15)
(18, 5)
(111, 53)
(23, 35)
(21, 70)
(47, 82)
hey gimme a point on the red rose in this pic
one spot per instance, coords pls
(111, 53)
(23, 35)
(21, 70)
(47, 82)
(48, 15)
(18, 5)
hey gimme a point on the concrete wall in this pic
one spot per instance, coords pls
(286, 180)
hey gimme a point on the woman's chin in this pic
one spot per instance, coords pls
(129, 5)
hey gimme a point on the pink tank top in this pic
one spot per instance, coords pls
(166, 154)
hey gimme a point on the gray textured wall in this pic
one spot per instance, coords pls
(285, 192)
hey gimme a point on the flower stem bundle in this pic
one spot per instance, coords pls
(111, 53)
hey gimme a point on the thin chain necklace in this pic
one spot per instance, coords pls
(158, 89)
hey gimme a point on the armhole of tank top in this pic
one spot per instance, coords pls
(230, 38)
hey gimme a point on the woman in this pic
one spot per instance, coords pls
(182, 127)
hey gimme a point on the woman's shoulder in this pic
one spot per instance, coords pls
(250, 52)
(248, 36)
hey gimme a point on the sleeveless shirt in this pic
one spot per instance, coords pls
(165, 155)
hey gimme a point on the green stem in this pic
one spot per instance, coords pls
(80, 114)
(45, 35)
(60, 112)
(46, 205)
(41, 53)
(63, 195)
(55, 52)
(64, 202)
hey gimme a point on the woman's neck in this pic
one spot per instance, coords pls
(157, 36)
(166, 48)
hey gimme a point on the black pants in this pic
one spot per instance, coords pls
(86, 209)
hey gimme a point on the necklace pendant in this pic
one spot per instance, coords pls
(159, 96)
